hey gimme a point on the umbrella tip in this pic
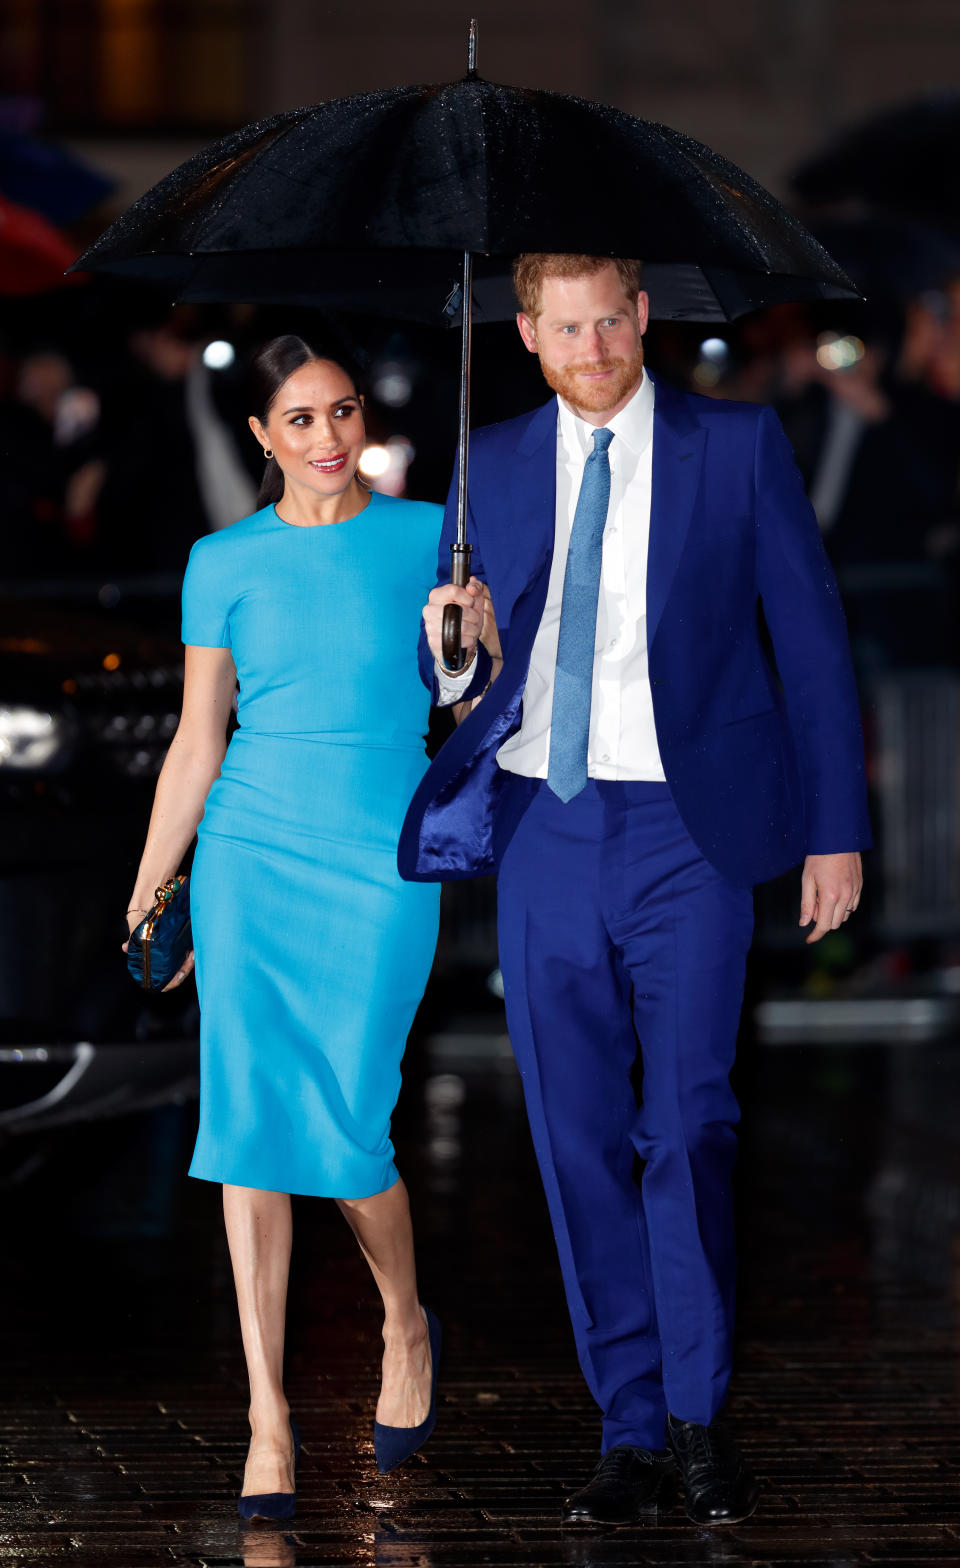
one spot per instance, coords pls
(472, 48)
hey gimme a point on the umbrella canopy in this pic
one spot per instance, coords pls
(372, 201)
(33, 255)
(906, 159)
(378, 201)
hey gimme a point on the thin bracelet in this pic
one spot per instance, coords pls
(134, 911)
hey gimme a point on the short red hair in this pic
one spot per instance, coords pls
(530, 269)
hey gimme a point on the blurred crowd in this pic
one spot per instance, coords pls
(869, 394)
(121, 445)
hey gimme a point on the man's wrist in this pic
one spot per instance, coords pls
(465, 666)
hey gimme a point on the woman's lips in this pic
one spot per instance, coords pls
(329, 465)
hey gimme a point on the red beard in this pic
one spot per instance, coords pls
(601, 395)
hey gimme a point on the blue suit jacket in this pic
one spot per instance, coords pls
(763, 770)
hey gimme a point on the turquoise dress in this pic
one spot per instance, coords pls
(311, 953)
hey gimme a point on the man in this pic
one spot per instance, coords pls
(633, 770)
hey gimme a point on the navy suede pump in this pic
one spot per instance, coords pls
(273, 1505)
(393, 1444)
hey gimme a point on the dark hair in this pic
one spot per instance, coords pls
(271, 366)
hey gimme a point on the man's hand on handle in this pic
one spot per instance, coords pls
(830, 891)
(471, 602)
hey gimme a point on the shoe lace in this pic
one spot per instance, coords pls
(703, 1448)
(618, 1463)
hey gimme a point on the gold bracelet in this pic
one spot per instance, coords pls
(134, 911)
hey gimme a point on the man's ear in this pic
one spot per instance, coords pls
(643, 311)
(528, 332)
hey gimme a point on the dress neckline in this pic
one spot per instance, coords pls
(313, 528)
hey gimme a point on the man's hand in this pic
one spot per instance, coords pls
(830, 891)
(471, 601)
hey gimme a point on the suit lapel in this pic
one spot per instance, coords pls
(530, 523)
(528, 547)
(678, 452)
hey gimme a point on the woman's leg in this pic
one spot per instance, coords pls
(259, 1231)
(382, 1226)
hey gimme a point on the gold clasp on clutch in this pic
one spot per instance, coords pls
(164, 894)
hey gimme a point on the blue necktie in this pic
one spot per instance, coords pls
(570, 724)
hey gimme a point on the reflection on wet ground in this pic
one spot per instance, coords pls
(122, 1428)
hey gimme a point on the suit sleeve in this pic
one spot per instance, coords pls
(483, 663)
(801, 604)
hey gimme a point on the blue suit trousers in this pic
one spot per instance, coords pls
(623, 953)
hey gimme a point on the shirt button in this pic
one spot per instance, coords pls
(605, 756)
(613, 642)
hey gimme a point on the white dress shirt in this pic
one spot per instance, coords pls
(623, 740)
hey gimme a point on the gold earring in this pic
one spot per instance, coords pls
(268, 452)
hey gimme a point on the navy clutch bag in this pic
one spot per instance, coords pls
(158, 946)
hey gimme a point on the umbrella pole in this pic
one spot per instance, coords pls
(461, 551)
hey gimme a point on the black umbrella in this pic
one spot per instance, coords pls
(906, 158)
(410, 201)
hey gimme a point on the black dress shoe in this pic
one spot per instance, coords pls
(718, 1488)
(627, 1484)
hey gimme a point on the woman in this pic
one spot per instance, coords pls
(311, 954)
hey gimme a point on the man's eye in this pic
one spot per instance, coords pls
(568, 330)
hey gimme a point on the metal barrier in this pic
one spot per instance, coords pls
(913, 721)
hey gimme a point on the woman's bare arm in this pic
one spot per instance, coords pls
(191, 766)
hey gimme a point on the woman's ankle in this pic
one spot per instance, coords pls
(268, 1419)
(405, 1331)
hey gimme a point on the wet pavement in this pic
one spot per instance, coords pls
(122, 1428)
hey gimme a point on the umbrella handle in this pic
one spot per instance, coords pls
(452, 614)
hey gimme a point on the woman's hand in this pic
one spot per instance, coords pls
(134, 917)
(490, 638)
(489, 635)
(186, 968)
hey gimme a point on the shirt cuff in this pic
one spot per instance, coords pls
(452, 685)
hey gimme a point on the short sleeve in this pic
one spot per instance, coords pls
(206, 597)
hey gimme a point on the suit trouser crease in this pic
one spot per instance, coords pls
(614, 930)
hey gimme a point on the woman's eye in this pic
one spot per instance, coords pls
(300, 419)
(345, 410)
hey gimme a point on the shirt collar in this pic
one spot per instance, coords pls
(632, 427)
